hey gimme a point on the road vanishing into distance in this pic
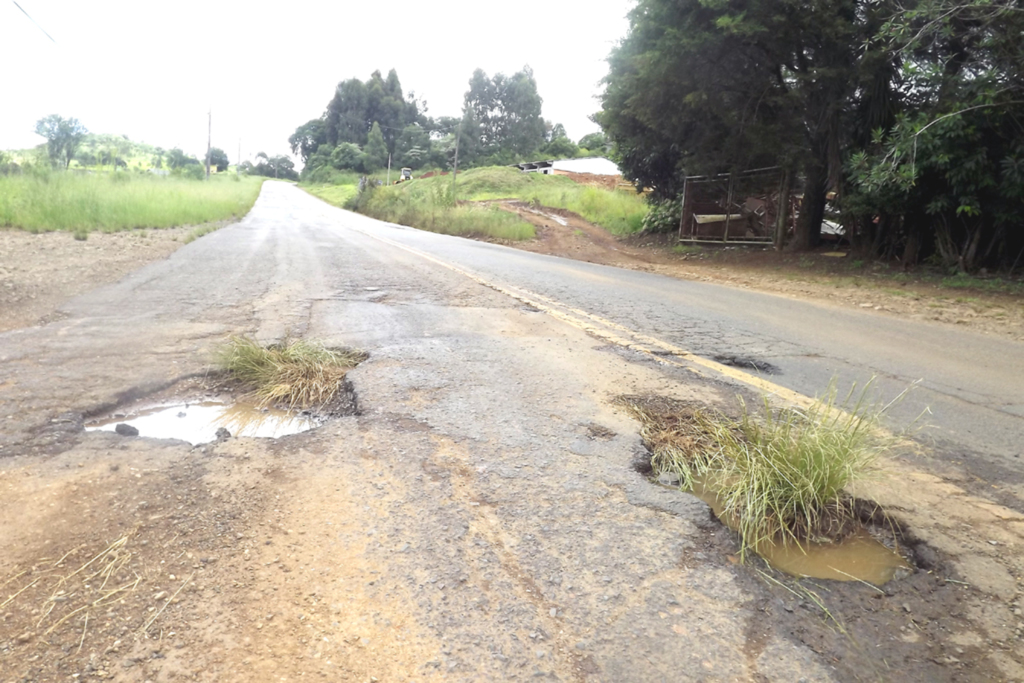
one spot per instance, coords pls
(967, 390)
(480, 517)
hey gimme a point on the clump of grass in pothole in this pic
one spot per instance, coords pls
(781, 476)
(297, 373)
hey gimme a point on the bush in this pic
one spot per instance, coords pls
(663, 215)
(192, 171)
(346, 156)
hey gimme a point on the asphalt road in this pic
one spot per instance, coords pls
(480, 520)
(968, 389)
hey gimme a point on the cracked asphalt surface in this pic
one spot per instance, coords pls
(479, 520)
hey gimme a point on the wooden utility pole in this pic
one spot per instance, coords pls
(455, 175)
(389, 168)
(209, 137)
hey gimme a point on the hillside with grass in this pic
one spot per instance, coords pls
(432, 203)
(41, 202)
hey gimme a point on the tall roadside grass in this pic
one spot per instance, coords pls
(434, 210)
(298, 373)
(338, 195)
(779, 476)
(120, 201)
(619, 212)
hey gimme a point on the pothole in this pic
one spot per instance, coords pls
(205, 421)
(863, 555)
(284, 389)
(748, 363)
(850, 539)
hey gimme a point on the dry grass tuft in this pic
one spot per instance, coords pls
(678, 434)
(297, 372)
(98, 582)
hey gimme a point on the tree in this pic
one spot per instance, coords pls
(176, 158)
(557, 131)
(507, 109)
(219, 159)
(63, 136)
(413, 147)
(307, 138)
(274, 167)
(356, 106)
(375, 154)
(944, 175)
(594, 142)
(560, 148)
(707, 87)
(346, 156)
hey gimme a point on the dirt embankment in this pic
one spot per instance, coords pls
(822, 276)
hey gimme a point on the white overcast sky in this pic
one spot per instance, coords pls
(150, 70)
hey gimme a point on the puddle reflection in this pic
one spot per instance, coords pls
(859, 557)
(197, 423)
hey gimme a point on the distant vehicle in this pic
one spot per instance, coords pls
(406, 175)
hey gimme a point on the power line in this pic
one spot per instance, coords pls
(34, 22)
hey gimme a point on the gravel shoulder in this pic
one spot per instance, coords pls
(38, 272)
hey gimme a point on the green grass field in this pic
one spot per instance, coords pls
(434, 210)
(338, 195)
(619, 212)
(120, 201)
(429, 204)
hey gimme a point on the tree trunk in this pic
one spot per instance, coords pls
(812, 209)
(782, 209)
(912, 248)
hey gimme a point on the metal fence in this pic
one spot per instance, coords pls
(741, 207)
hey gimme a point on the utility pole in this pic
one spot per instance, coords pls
(455, 175)
(209, 134)
(389, 168)
(238, 161)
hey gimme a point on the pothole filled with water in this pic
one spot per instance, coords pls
(778, 481)
(205, 421)
(858, 557)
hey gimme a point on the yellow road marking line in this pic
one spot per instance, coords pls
(613, 332)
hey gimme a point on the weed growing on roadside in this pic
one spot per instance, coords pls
(782, 475)
(297, 372)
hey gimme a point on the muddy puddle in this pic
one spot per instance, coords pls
(860, 557)
(199, 422)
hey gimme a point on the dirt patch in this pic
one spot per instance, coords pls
(821, 276)
(564, 233)
(38, 272)
(130, 560)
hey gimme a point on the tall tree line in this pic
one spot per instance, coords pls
(365, 122)
(907, 115)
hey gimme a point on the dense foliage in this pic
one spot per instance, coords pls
(365, 123)
(906, 114)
